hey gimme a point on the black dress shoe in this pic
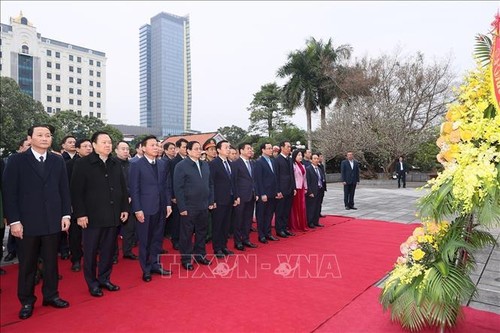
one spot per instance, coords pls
(321, 215)
(347, 208)
(250, 244)
(208, 240)
(161, 271)
(272, 238)
(252, 229)
(312, 226)
(282, 234)
(2, 271)
(76, 266)
(115, 260)
(187, 266)
(64, 256)
(239, 246)
(111, 287)
(353, 207)
(176, 246)
(219, 254)
(9, 257)
(319, 225)
(289, 233)
(130, 256)
(263, 240)
(163, 251)
(56, 303)
(26, 311)
(202, 260)
(96, 292)
(146, 277)
(227, 251)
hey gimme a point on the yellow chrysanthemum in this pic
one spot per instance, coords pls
(418, 254)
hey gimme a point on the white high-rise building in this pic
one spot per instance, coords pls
(60, 75)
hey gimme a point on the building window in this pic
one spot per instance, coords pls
(79, 70)
(58, 99)
(49, 64)
(98, 115)
(49, 109)
(98, 74)
(91, 72)
(58, 55)
(98, 105)
(98, 94)
(58, 88)
(98, 84)
(71, 91)
(58, 65)
(91, 62)
(79, 81)
(49, 52)
(79, 91)
(49, 75)
(71, 57)
(79, 102)
(91, 114)
(58, 77)
(98, 64)
(91, 93)
(25, 49)
(49, 87)
(49, 98)
(71, 79)
(91, 104)
(71, 101)
(71, 69)
(79, 112)
(91, 83)
(78, 59)
(58, 109)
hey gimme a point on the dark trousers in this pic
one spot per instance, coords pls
(401, 177)
(75, 241)
(283, 207)
(243, 214)
(150, 234)
(321, 197)
(194, 220)
(349, 190)
(30, 248)
(11, 243)
(313, 208)
(98, 242)
(265, 211)
(64, 243)
(221, 219)
(175, 228)
(128, 234)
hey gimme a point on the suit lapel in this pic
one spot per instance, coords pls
(33, 162)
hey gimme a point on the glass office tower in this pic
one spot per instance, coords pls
(165, 74)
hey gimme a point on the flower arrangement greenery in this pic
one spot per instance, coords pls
(431, 278)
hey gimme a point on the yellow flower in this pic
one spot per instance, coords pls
(447, 127)
(465, 135)
(455, 136)
(418, 254)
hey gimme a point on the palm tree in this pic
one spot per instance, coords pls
(301, 89)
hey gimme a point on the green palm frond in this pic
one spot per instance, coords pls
(437, 204)
(482, 49)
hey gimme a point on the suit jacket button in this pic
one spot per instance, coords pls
(111, 202)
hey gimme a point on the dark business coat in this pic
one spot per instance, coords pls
(223, 184)
(38, 200)
(312, 181)
(265, 178)
(349, 175)
(244, 187)
(285, 175)
(149, 192)
(323, 173)
(398, 168)
(192, 191)
(99, 191)
(313, 204)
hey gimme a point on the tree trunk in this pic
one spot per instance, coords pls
(323, 117)
(309, 131)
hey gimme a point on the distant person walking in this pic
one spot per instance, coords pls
(401, 171)
(349, 169)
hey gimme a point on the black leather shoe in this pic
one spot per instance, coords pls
(282, 234)
(115, 260)
(96, 292)
(64, 256)
(26, 311)
(76, 266)
(311, 226)
(130, 256)
(263, 240)
(187, 266)
(250, 244)
(319, 225)
(202, 260)
(239, 246)
(272, 238)
(208, 240)
(146, 277)
(252, 229)
(56, 303)
(161, 271)
(353, 208)
(9, 257)
(111, 287)
(219, 254)
(163, 251)
(2, 271)
(175, 246)
(289, 233)
(321, 215)
(347, 208)
(227, 251)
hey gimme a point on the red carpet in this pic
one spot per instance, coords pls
(294, 285)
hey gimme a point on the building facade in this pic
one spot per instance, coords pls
(60, 75)
(165, 74)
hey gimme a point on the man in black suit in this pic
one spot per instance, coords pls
(314, 192)
(37, 207)
(194, 192)
(151, 194)
(100, 204)
(181, 146)
(220, 172)
(401, 170)
(266, 188)
(244, 192)
(349, 170)
(322, 168)
(68, 145)
(286, 189)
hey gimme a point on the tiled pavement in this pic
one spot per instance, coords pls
(388, 203)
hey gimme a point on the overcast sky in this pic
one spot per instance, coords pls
(236, 47)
